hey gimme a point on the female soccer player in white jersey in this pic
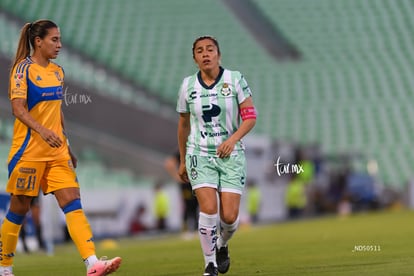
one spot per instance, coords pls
(216, 111)
(40, 157)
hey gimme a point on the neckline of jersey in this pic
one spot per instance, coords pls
(203, 84)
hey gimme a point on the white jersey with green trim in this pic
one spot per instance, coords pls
(214, 110)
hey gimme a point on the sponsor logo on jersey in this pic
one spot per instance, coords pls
(48, 94)
(193, 95)
(18, 93)
(210, 111)
(205, 134)
(27, 170)
(247, 90)
(208, 95)
(212, 125)
(18, 79)
(217, 134)
(59, 92)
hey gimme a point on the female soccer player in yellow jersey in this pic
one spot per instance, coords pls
(211, 104)
(40, 156)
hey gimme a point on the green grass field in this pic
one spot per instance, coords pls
(363, 244)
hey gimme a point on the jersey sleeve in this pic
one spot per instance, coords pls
(63, 76)
(243, 89)
(18, 82)
(182, 105)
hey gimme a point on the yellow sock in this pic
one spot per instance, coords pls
(80, 232)
(9, 237)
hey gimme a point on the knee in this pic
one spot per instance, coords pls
(208, 205)
(230, 217)
(209, 209)
(20, 205)
(20, 209)
(67, 196)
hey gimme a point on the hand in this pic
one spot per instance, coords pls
(182, 172)
(226, 148)
(51, 137)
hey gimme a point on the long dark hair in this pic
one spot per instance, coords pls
(28, 34)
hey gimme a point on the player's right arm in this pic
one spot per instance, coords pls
(182, 133)
(19, 109)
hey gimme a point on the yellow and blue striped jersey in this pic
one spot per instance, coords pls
(42, 87)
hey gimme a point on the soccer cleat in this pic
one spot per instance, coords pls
(104, 267)
(223, 259)
(210, 270)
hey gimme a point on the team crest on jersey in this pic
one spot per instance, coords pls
(194, 174)
(225, 90)
(21, 181)
(58, 76)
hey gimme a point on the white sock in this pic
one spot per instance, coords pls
(226, 232)
(90, 261)
(5, 268)
(207, 230)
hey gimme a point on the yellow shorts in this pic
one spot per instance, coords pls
(28, 177)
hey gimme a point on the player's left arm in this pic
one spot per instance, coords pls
(72, 155)
(248, 114)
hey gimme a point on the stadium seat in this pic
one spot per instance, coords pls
(351, 91)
